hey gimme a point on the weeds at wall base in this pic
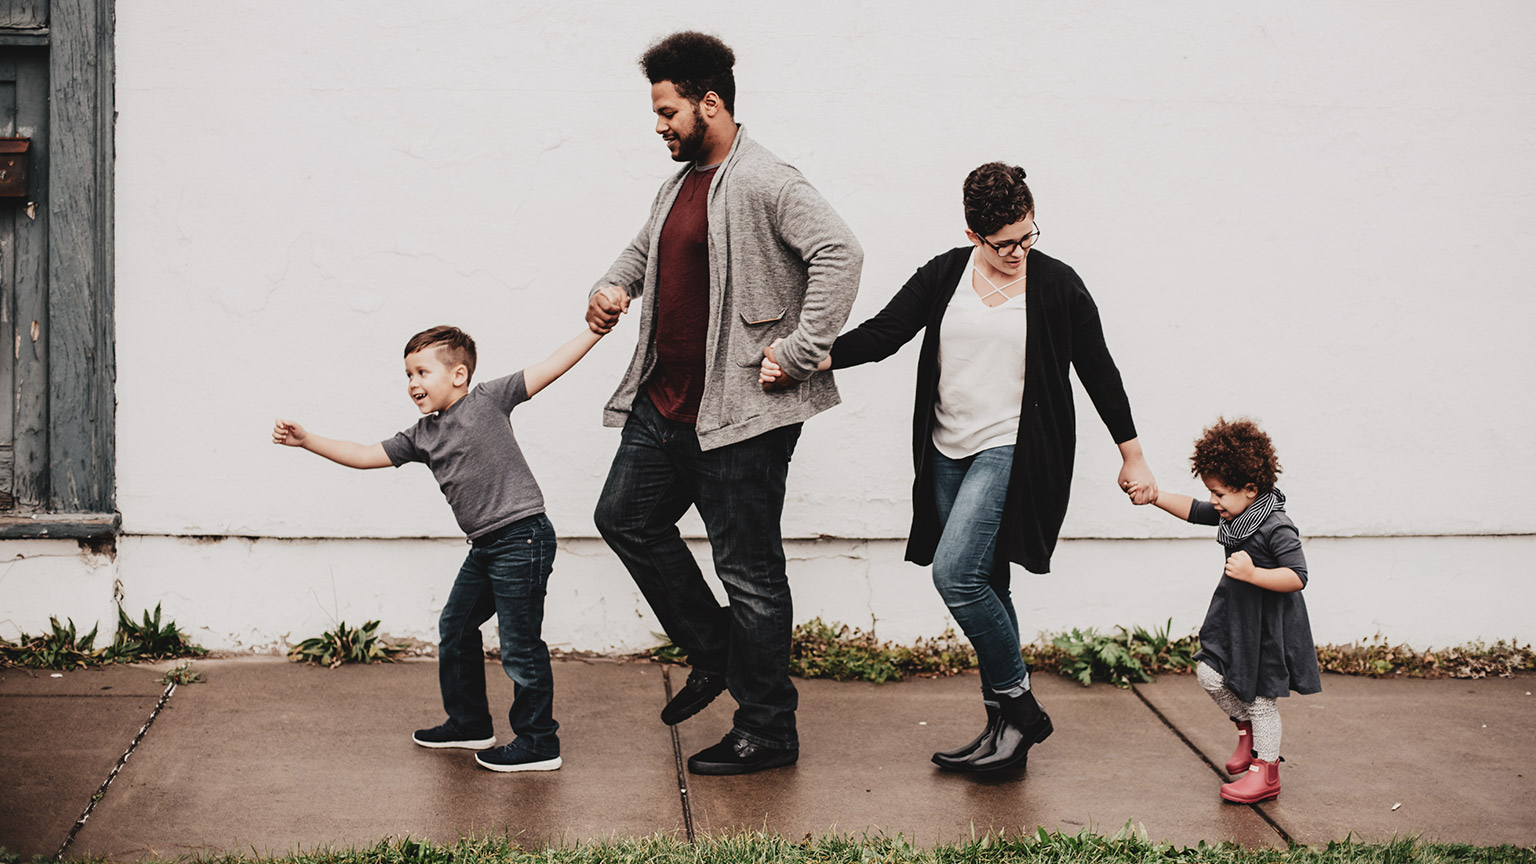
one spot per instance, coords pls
(1124, 657)
(345, 644)
(63, 647)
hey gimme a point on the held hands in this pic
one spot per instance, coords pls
(773, 377)
(1240, 566)
(605, 307)
(289, 433)
(1137, 482)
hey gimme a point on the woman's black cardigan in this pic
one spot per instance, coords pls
(1063, 331)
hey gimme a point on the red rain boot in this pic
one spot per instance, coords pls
(1244, 752)
(1260, 783)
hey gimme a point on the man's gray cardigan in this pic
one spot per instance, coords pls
(781, 264)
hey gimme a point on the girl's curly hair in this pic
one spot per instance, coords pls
(996, 196)
(1237, 453)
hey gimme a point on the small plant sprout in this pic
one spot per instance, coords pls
(346, 645)
(182, 675)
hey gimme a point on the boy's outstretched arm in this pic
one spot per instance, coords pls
(348, 453)
(543, 373)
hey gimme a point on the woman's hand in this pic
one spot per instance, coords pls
(770, 374)
(1136, 478)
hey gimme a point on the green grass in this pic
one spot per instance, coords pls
(1125, 847)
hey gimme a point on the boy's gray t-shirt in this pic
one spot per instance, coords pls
(473, 454)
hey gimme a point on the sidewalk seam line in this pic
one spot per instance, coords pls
(677, 761)
(1284, 835)
(122, 760)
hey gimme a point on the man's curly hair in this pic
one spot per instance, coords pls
(695, 63)
(1236, 453)
(996, 196)
(454, 347)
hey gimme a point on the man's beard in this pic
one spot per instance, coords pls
(689, 145)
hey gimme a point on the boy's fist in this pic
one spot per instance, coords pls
(289, 433)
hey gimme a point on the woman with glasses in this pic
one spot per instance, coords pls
(994, 432)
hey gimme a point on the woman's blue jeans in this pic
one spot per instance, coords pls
(506, 578)
(970, 494)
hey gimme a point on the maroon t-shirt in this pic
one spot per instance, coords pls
(676, 384)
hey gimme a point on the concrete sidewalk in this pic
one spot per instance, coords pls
(268, 757)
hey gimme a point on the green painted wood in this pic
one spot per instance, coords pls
(79, 331)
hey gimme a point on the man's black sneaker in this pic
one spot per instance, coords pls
(449, 735)
(735, 755)
(513, 757)
(701, 689)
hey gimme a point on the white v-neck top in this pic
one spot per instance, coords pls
(981, 372)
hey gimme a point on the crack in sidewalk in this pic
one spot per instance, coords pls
(1284, 835)
(122, 760)
(677, 760)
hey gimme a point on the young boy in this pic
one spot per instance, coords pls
(466, 439)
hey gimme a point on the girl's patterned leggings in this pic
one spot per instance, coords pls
(1261, 712)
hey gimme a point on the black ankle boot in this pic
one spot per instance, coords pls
(1024, 724)
(954, 760)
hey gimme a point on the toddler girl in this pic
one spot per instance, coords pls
(1256, 642)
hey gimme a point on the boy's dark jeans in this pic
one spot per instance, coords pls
(505, 577)
(658, 472)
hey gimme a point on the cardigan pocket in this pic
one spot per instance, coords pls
(756, 331)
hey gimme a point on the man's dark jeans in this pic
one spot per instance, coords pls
(738, 489)
(505, 577)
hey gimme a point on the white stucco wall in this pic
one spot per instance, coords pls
(1316, 214)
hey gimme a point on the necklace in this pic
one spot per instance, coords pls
(997, 289)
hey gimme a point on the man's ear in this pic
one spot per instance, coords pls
(711, 104)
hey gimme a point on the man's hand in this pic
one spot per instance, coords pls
(289, 433)
(1240, 566)
(605, 307)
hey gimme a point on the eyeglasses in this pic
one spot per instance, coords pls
(1008, 247)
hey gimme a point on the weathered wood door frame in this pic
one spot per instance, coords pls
(79, 329)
